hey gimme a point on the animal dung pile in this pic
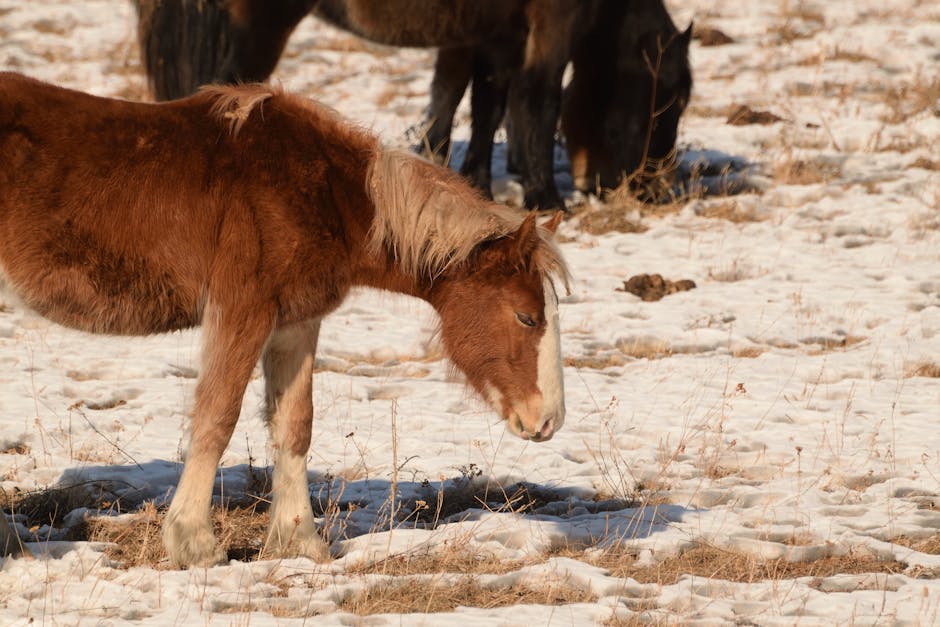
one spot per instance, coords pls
(652, 287)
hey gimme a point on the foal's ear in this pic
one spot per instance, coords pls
(686, 35)
(526, 239)
(552, 225)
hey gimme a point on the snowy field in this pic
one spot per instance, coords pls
(762, 449)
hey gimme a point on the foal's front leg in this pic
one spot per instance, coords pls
(288, 371)
(233, 337)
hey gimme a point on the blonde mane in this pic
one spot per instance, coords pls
(426, 216)
(430, 219)
(236, 102)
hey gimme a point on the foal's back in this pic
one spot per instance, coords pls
(121, 217)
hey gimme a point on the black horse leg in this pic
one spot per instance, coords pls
(534, 106)
(493, 68)
(452, 71)
(513, 150)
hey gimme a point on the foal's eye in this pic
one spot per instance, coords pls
(525, 319)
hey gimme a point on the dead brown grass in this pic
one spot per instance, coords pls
(730, 210)
(600, 361)
(912, 98)
(926, 164)
(822, 345)
(836, 54)
(930, 544)
(138, 542)
(930, 369)
(799, 22)
(611, 218)
(708, 561)
(419, 596)
(472, 492)
(806, 171)
(457, 558)
(742, 115)
(642, 348)
(748, 352)
(710, 36)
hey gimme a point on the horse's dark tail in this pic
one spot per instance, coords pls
(188, 43)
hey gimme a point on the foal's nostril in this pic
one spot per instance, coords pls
(545, 432)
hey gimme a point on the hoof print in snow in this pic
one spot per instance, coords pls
(651, 287)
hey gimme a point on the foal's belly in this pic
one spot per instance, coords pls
(90, 290)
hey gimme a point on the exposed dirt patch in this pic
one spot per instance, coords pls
(653, 287)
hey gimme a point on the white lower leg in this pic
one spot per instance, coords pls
(288, 371)
(187, 528)
(291, 530)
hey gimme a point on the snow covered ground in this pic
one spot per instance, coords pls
(785, 409)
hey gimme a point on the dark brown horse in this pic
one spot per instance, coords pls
(253, 213)
(525, 44)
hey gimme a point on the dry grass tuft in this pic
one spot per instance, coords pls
(912, 98)
(930, 544)
(836, 54)
(799, 22)
(653, 287)
(730, 210)
(710, 36)
(708, 561)
(419, 596)
(611, 218)
(52, 505)
(458, 559)
(644, 348)
(926, 164)
(600, 361)
(806, 171)
(929, 369)
(822, 345)
(472, 492)
(742, 115)
(138, 542)
(748, 352)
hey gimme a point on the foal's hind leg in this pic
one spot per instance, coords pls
(233, 337)
(288, 371)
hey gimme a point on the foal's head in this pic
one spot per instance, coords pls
(499, 325)
(632, 81)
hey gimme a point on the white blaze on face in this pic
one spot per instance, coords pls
(551, 379)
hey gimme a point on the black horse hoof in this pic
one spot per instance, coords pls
(544, 200)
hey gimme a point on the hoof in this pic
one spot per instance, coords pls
(296, 545)
(189, 546)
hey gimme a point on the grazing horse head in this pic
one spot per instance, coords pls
(499, 325)
(490, 272)
(631, 83)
